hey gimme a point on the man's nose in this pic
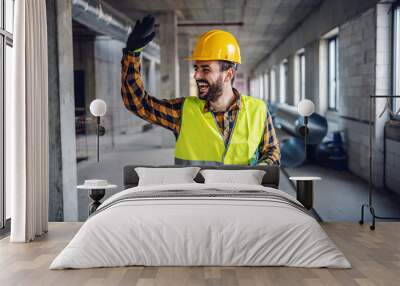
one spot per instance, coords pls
(196, 75)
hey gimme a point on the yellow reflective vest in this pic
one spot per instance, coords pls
(200, 141)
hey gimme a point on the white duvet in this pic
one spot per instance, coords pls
(200, 231)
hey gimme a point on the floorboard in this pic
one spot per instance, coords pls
(374, 255)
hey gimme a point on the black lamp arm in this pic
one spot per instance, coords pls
(100, 131)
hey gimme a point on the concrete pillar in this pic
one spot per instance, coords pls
(273, 83)
(55, 167)
(169, 55)
(278, 83)
(84, 60)
(322, 69)
(184, 65)
(152, 78)
(107, 83)
(66, 109)
(291, 82)
(313, 75)
(62, 149)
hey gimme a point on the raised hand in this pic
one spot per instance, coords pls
(141, 35)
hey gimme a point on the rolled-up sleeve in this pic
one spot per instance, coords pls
(163, 112)
(270, 153)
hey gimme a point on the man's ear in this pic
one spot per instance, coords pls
(229, 75)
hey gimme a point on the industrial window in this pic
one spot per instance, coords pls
(266, 86)
(273, 85)
(283, 81)
(261, 86)
(302, 72)
(396, 61)
(253, 85)
(333, 61)
(6, 44)
(299, 77)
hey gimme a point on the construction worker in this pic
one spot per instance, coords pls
(218, 127)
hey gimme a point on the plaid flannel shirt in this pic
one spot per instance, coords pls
(167, 112)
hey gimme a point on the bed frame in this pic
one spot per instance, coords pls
(270, 179)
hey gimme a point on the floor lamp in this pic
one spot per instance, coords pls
(304, 185)
(98, 108)
(305, 108)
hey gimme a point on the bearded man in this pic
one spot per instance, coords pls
(220, 126)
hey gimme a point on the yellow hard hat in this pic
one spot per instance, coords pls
(216, 45)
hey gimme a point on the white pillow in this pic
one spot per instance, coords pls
(248, 177)
(165, 176)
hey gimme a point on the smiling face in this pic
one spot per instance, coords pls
(210, 80)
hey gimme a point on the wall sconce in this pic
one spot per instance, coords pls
(98, 108)
(305, 108)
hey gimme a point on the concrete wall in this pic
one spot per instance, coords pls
(168, 36)
(365, 57)
(357, 57)
(107, 62)
(100, 59)
(185, 66)
(357, 60)
(393, 165)
(364, 34)
(312, 54)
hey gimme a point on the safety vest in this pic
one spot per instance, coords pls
(200, 141)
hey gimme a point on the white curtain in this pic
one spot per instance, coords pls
(27, 124)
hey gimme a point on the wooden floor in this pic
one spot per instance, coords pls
(375, 257)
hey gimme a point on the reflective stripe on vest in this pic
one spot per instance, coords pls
(200, 141)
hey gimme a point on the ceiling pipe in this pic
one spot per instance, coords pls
(102, 18)
(203, 24)
(206, 24)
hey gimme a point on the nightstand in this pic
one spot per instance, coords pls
(305, 190)
(97, 190)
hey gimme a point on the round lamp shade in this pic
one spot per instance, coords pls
(305, 107)
(98, 107)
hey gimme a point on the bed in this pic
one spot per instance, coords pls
(201, 224)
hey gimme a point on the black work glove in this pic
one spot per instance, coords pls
(141, 35)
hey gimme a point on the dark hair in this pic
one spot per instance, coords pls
(225, 65)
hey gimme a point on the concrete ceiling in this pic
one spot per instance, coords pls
(265, 22)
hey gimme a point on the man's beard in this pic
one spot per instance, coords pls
(215, 90)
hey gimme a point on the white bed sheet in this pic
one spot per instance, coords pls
(200, 231)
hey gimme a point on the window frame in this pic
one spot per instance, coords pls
(2, 92)
(299, 92)
(283, 80)
(302, 75)
(334, 39)
(6, 39)
(272, 85)
(261, 87)
(395, 59)
(266, 86)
